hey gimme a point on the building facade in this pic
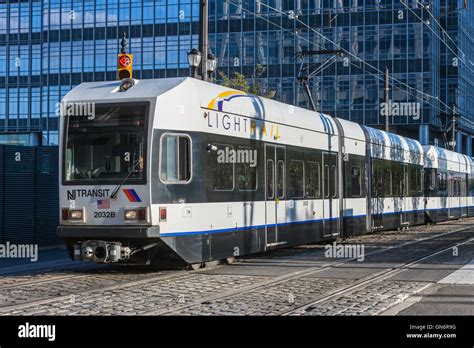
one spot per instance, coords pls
(47, 47)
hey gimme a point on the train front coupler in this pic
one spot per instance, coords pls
(101, 251)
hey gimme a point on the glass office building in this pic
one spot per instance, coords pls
(47, 47)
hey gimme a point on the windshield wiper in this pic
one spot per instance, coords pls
(117, 189)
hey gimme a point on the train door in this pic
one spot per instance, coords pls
(330, 195)
(404, 218)
(450, 195)
(275, 176)
(463, 195)
(377, 197)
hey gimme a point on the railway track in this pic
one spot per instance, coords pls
(379, 276)
(145, 278)
(98, 287)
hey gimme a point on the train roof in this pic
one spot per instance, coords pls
(105, 91)
(437, 157)
(193, 93)
(391, 146)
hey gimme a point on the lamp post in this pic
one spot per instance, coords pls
(194, 60)
(211, 65)
(203, 35)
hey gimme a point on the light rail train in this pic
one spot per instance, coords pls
(184, 170)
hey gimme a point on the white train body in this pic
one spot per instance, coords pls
(180, 169)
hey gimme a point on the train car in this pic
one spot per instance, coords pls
(184, 169)
(396, 180)
(446, 184)
(354, 178)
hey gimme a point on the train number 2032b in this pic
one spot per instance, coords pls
(104, 214)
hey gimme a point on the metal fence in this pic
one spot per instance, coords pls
(29, 194)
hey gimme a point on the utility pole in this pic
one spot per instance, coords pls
(453, 128)
(387, 98)
(203, 36)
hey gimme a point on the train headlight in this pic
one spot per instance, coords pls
(135, 215)
(76, 215)
(72, 215)
(126, 84)
(131, 214)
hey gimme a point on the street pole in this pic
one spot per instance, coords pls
(387, 98)
(203, 36)
(453, 136)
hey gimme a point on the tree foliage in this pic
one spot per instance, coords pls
(241, 82)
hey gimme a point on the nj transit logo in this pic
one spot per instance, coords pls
(132, 195)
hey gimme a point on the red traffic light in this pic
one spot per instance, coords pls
(124, 61)
(124, 66)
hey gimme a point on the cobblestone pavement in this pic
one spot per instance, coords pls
(276, 283)
(272, 300)
(61, 286)
(136, 297)
(371, 300)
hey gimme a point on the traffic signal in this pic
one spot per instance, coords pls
(124, 66)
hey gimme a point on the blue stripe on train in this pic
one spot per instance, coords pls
(235, 229)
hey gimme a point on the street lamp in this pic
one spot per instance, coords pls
(211, 65)
(194, 59)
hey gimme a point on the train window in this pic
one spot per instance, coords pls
(406, 183)
(296, 179)
(397, 183)
(175, 159)
(377, 178)
(109, 147)
(246, 169)
(422, 180)
(222, 167)
(270, 179)
(326, 181)
(387, 183)
(334, 181)
(433, 179)
(281, 179)
(415, 179)
(464, 185)
(442, 178)
(356, 182)
(313, 180)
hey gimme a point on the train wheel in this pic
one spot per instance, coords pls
(194, 266)
(228, 260)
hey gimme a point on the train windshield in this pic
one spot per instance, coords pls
(107, 147)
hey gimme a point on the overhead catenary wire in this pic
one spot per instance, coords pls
(356, 57)
(431, 100)
(447, 107)
(426, 8)
(361, 60)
